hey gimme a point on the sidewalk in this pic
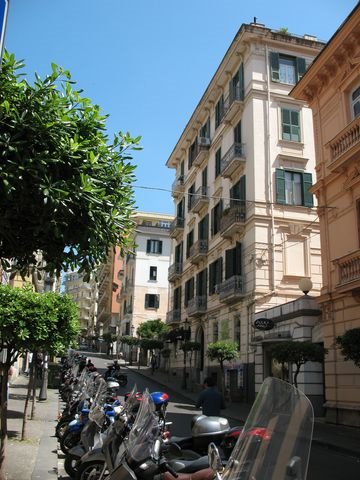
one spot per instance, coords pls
(36, 457)
(341, 438)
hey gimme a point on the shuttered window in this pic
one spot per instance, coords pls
(152, 300)
(154, 246)
(286, 68)
(236, 85)
(233, 261)
(219, 111)
(217, 162)
(290, 124)
(292, 188)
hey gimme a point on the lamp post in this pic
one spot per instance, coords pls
(131, 346)
(185, 335)
(305, 285)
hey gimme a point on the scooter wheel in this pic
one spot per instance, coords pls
(90, 470)
(70, 465)
(69, 440)
(122, 379)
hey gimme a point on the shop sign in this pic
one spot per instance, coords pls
(264, 324)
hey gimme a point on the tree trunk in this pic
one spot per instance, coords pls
(33, 404)
(27, 400)
(222, 378)
(296, 375)
(3, 418)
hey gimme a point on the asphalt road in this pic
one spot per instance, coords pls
(325, 464)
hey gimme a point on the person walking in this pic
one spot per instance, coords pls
(210, 400)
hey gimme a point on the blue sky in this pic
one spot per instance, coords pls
(148, 62)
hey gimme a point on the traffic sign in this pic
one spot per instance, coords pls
(4, 7)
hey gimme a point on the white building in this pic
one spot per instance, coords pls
(246, 228)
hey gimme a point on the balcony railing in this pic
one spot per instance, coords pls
(348, 269)
(198, 251)
(231, 289)
(174, 316)
(175, 271)
(233, 159)
(199, 199)
(233, 221)
(346, 141)
(178, 186)
(176, 227)
(232, 103)
(197, 306)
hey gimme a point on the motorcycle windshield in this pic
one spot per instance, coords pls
(276, 438)
(132, 402)
(144, 432)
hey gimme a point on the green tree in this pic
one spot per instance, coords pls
(297, 353)
(66, 190)
(222, 351)
(349, 343)
(31, 321)
(156, 329)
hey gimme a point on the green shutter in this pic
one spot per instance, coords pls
(148, 246)
(157, 301)
(275, 66)
(300, 67)
(308, 196)
(160, 247)
(146, 300)
(280, 185)
(241, 82)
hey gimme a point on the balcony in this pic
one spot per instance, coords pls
(232, 104)
(176, 227)
(175, 271)
(178, 187)
(348, 271)
(233, 221)
(233, 160)
(199, 199)
(345, 145)
(198, 251)
(201, 152)
(232, 289)
(197, 306)
(174, 316)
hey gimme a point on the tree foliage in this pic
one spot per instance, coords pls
(128, 340)
(155, 329)
(222, 351)
(349, 343)
(298, 353)
(66, 190)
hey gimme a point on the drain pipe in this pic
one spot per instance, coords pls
(269, 175)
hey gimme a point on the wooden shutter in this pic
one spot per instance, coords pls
(160, 246)
(241, 82)
(219, 273)
(280, 185)
(228, 264)
(146, 300)
(238, 259)
(211, 278)
(237, 132)
(275, 66)
(148, 246)
(300, 67)
(307, 183)
(157, 301)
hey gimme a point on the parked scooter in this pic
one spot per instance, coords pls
(274, 444)
(113, 371)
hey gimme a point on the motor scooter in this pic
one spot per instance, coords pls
(274, 443)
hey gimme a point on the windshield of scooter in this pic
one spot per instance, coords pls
(276, 438)
(144, 432)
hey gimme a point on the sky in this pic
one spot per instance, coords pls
(148, 62)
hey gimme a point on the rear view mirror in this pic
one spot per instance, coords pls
(215, 462)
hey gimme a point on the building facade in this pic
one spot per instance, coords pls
(144, 293)
(246, 228)
(332, 89)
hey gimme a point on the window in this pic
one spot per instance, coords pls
(355, 102)
(152, 301)
(236, 85)
(286, 69)
(189, 291)
(201, 283)
(189, 242)
(179, 253)
(203, 228)
(292, 188)
(219, 111)
(153, 274)
(216, 213)
(237, 331)
(238, 194)
(191, 196)
(290, 121)
(154, 246)
(237, 133)
(215, 331)
(205, 130)
(215, 275)
(217, 162)
(192, 153)
(177, 298)
(233, 263)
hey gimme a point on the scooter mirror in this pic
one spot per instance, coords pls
(214, 458)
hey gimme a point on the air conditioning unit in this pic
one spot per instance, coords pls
(204, 141)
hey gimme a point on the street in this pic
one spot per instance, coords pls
(325, 464)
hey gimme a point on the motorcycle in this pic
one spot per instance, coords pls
(274, 443)
(113, 371)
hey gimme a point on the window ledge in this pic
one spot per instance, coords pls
(291, 144)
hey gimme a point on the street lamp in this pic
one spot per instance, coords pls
(305, 285)
(131, 346)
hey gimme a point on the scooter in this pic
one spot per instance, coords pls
(113, 371)
(274, 443)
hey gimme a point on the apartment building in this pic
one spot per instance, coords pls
(331, 87)
(84, 295)
(246, 228)
(144, 293)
